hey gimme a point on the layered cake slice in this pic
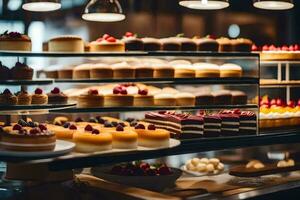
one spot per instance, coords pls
(248, 123)
(212, 125)
(230, 123)
(192, 127)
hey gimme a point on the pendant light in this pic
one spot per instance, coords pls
(41, 5)
(103, 11)
(274, 4)
(205, 4)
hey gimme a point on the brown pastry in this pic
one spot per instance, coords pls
(225, 45)
(242, 45)
(21, 71)
(101, 71)
(7, 98)
(92, 99)
(38, 97)
(151, 44)
(207, 44)
(66, 73)
(14, 41)
(4, 72)
(57, 97)
(24, 98)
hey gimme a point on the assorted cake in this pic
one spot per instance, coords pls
(132, 43)
(280, 53)
(66, 43)
(57, 97)
(107, 43)
(14, 41)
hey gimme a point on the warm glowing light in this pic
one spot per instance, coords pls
(103, 17)
(273, 5)
(41, 6)
(205, 4)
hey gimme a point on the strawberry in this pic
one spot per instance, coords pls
(129, 34)
(105, 36)
(265, 48)
(111, 39)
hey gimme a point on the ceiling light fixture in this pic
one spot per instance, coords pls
(103, 11)
(41, 5)
(273, 4)
(205, 4)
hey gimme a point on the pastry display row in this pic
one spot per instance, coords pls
(20, 71)
(278, 53)
(143, 68)
(276, 113)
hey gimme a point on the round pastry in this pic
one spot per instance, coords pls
(92, 99)
(24, 98)
(91, 140)
(123, 70)
(222, 97)
(7, 98)
(152, 137)
(143, 98)
(206, 70)
(14, 41)
(101, 71)
(124, 138)
(132, 43)
(207, 44)
(185, 99)
(28, 139)
(64, 132)
(187, 44)
(242, 45)
(38, 97)
(163, 71)
(66, 73)
(170, 44)
(164, 99)
(66, 43)
(119, 98)
(5, 73)
(151, 44)
(204, 98)
(107, 43)
(21, 72)
(184, 71)
(225, 45)
(143, 71)
(57, 97)
(239, 98)
(82, 71)
(230, 70)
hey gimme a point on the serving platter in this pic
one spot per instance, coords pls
(184, 169)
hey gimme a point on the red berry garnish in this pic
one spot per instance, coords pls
(96, 132)
(55, 90)
(117, 90)
(143, 92)
(105, 36)
(38, 91)
(124, 91)
(144, 166)
(284, 48)
(164, 170)
(291, 48)
(34, 131)
(111, 39)
(296, 47)
(265, 48)
(17, 127)
(151, 172)
(273, 48)
(129, 34)
(119, 128)
(151, 127)
(93, 92)
(88, 128)
(237, 111)
(42, 127)
(140, 126)
(72, 127)
(254, 48)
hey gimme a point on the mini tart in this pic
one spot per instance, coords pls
(185, 99)
(118, 100)
(151, 44)
(153, 138)
(86, 142)
(242, 45)
(225, 45)
(101, 71)
(7, 98)
(66, 43)
(230, 70)
(14, 41)
(106, 46)
(82, 71)
(5, 73)
(125, 139)
(21, 72)
(163, 71)
(18, 141)
(66, 73)
(164, 99)
(170, 44)
(123, 70)
(144, 72)
(57, 97)
(90, 100)
(207, 70)
(24, 98)
(143, 100)
(39, 98)
(207, 44)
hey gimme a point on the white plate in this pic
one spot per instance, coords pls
(173, 143)
(183, 168)
(61, 148)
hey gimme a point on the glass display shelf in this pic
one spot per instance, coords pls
(196, 145)
(237, 80)
(276, 84)
(151, 108)
(9, 108)
(27, 82)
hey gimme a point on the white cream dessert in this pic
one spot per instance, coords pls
(66, 43)
(230, 70)
(164, 99)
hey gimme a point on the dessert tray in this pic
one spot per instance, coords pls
(61, 148)
(184, 169)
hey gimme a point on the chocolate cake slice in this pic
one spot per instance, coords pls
(212, 126)
(248, 123)
(230, 124)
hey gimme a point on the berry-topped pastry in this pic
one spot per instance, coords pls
(57, 97)
(24, 98)
(107, 43)
(91, 99)
(21, 71)
(118, 98)
(92, 140)
(5, 73)
(7, 98)
(143, 98)
(19, 138)
(38, 97)
(150, 136)
(132, 43)
(64, 132)
(277, 53)
(14, 41)
(124, 138)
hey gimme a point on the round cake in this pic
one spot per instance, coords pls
(163, 71)
(185, 99)
(123, 70)
(24, 98)
(64, 132)
(66, 43)
(92, 99)
(66, 73)
(164, 99)
(144, 71)
(170, 44)
(107, 43)
(143, 98)
(184, 71)
(119, 98)
(230, 70)
(124, 138)
(242, 45)
(207, 44)
(38, 97)
(82, 71)
(18, 138)
(14, 41)
(205, 70)
(57, 97)
(101, 71)
(151, 44)
(225, 45)
(187, 44)
(132, 43)
(7, 98)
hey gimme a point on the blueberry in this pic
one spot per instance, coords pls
(115, 124)
(22, 122)
(66, 125)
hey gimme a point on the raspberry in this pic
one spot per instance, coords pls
(105, 36)
(143, 92)
(42, 127)
(93, 92)
(111, 39)
(117, 90)
(129, 34)
(88, 128)
(124, 91)
(119, 128)
(34, 131)
(55, 90)
(38, 91)
(140, 126)
(17, 127)
(96, 132)
(72, 127)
